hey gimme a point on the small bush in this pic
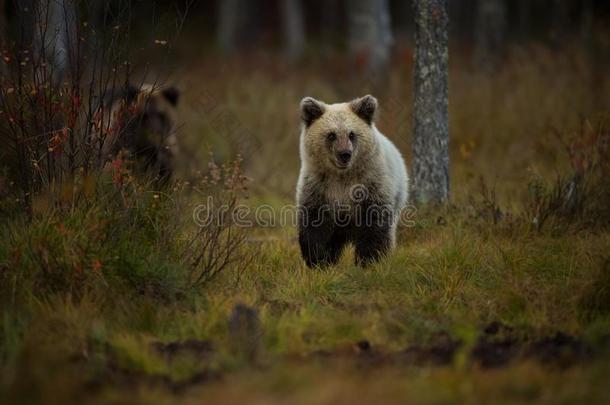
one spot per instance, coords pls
(583, 194)
(122, 236)
(595, 300)
(219, 241)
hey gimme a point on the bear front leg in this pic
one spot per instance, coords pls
(372, 243)
(320, 246)
(321, 241)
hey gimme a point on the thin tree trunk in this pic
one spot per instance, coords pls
(560, 23)
(294, 29)
(3, 34)
(431, 127)
(370, 34)
(55, 36)
(328, 27)
(594, 48)
(587, 18)
(3, 24)
(21, 30)
(228, 24)
(524, 25)
(490, 33)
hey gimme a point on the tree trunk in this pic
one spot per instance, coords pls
(3, 24)
(55, 37)
(587, 18)
(431, 127)
(3, 34)
(490, 33)
(560, 22)
(370, 34)
(294, 29)
(228, 24)
(402, 18)
(329, 25)
(524, 24)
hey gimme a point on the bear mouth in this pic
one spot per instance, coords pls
(341, 165)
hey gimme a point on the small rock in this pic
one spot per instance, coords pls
(363, 345)
(245, 332)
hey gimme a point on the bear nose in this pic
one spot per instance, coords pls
(344, 156)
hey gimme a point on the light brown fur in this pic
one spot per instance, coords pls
(373, 165)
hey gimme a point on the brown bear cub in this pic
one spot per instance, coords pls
(352, 186)
(138, 120)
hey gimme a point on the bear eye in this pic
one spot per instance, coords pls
(331, 136)
(352, 136)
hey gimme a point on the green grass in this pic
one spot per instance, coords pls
(89, 286)
(454, 278)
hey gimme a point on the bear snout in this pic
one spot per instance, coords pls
(343, 157)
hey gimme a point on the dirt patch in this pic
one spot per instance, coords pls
(440, 351)
(494, 354)
(130, 379)
(200, 349)
(560, 350)
(498, 345)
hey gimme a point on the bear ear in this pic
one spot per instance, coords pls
(172, 95)
(365, 107)
(131, 92)
(311, 110)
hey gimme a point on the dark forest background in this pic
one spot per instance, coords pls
(258, 23)
(112, 289)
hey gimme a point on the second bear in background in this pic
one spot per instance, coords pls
(139, 120)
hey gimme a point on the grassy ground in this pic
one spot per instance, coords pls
(477, 303)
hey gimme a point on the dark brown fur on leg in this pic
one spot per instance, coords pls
(372, 243)
(321, 241)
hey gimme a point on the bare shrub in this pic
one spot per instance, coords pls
(55, 78)
(544, 201)
(485, 205)
(595, 299)
(589, 151)
(218, 242)
(584, 193)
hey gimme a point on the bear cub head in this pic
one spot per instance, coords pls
(338, 137)
(151, 118)
(139, 120)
